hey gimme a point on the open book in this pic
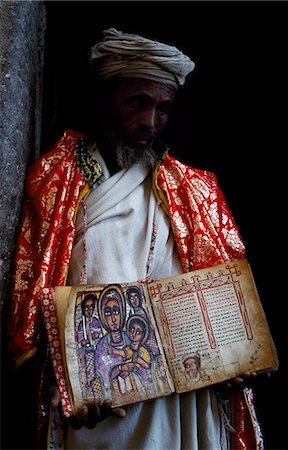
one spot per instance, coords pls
(138, 341)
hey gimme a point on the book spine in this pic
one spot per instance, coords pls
(51, 324)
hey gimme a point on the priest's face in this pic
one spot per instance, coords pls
(139, 110)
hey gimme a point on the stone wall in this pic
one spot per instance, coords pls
(22, 33)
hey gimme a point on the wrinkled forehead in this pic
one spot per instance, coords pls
(127, 88)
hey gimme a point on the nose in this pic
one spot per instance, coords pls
(148, 119)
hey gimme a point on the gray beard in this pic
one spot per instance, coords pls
(127, 156)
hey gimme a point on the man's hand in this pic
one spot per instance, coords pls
(55, 397)
(90, 412)
(244, 379)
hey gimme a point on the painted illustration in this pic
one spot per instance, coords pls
(192, 366)
(134, 374)
(135, 301)
(193, 370)
(118, 354)
(88, 332)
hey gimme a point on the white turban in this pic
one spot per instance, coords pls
(130, 55)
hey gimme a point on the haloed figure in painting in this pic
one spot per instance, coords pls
(112, 310)
(89, 328)
(134, 298)
(135, 371)
(88, 333)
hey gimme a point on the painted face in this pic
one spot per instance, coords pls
(134, 299)
(113, 315)
(191, 366)
(89, 308)
(135, 333)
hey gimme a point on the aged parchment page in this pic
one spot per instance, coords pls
(212, 325)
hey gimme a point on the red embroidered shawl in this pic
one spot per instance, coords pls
(204, 231)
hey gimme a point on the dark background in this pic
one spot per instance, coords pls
(229, 118)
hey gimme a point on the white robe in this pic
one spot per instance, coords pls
(121, 214)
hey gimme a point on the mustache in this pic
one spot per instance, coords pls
(141, 134)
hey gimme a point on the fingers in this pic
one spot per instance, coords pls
(55, 397)
(91, 412)
(248, 374)
(108, 411)
(118, 412)
(244, 378)
(76, 422)
(87, 415)
(105, 409)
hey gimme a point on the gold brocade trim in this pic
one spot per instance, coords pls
(83, 194)
(159, 195)
(252, 418)
(25, 356)
(88, 166)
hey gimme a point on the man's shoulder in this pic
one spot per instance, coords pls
(58, 163)
(65, 145)
(63, 151)
(174, 168)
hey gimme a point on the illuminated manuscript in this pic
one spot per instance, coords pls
(133, 342)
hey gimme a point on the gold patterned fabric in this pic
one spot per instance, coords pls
(54, 187)
(204, 231)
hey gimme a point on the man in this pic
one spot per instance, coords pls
(120, 209)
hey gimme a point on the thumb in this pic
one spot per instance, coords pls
(55, 397)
